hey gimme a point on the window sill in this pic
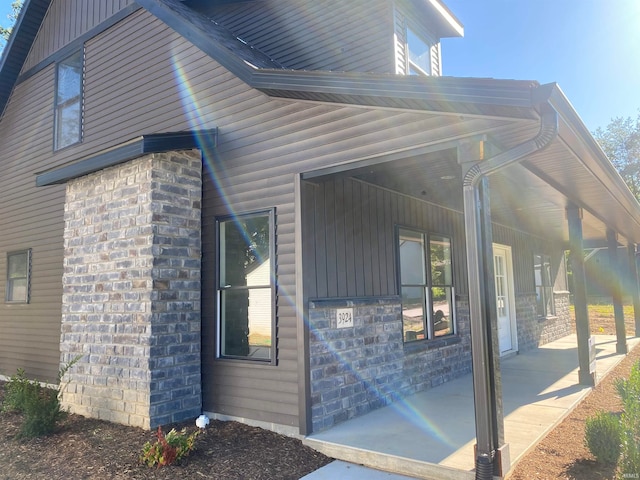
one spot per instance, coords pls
(425, 345)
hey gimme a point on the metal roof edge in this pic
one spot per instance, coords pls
(133, 148)
(18, 46)
(578, 137)
(564, 107)
(453, 25)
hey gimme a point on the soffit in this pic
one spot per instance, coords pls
(531, 196)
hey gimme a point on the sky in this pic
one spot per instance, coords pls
(591, 48)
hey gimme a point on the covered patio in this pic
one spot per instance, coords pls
(423, 438)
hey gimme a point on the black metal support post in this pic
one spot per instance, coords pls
(615, 286)
(491, 313)
(576, 257)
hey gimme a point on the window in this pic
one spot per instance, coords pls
(246, 287)
(426, 288)
(68, 108)
(419, 54)
(544, 287)
(18, 272)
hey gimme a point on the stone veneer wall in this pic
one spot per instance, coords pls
(534, 331)
(131, 298)
(358, 369)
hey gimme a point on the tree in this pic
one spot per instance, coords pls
(13, 16)
(620, 140)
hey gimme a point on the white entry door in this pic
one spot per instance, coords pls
(505, 299)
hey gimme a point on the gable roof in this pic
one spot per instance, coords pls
(604, 193)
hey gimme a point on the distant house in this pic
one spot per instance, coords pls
(159, 155)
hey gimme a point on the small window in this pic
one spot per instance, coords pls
(419, 54)
(426, 288)
(246, 287)
(18, 272)
(545, 305)
(68, 108)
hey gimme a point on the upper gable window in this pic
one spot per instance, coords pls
(68, 108)
(418, 53)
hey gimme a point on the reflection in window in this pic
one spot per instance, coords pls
(68, 110)
(245, 286)
(544, 288)
(18, 269)
(426, 290)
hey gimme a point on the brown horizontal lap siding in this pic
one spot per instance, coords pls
(30, 218)
(141, 78)
(228, 385)
(66, 20)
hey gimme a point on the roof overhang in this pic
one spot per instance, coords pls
(448, 24)
(134, 148)
(17, 48)
(601, 192)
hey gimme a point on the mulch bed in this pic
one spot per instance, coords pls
(83, 448)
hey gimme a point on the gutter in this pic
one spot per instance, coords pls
(476, 244)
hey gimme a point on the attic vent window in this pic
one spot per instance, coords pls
(68, 108)
(419, 54)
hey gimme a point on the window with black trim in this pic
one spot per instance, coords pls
(426, 285)
(18, 276)
(246, 286)
(545, 306)
(68, 107)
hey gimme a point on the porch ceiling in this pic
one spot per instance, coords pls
(531, 196)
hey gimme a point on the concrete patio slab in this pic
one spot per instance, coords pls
(431, 434)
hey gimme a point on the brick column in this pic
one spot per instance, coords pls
(131, 291)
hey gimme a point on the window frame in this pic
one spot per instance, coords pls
(10, 281)
(544, 289)
(221, 289)
(428, 321)
(60, 107)
(412, 67)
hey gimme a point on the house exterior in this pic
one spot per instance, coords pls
(266, 211)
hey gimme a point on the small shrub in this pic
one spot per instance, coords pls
(16, 390)
(42, 412)
(629, 391)
(167, 450)
(602, 437)
(40, 405)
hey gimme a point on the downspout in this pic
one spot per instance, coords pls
(480, 333)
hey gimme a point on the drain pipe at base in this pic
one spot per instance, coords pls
(481, 346)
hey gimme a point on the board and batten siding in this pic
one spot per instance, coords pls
(350, 226)
(333, 35)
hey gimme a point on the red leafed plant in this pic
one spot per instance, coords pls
(169, 449)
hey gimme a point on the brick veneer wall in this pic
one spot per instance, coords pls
(534, 331)
(131, 291)
(358, 369)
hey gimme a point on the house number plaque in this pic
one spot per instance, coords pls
(344, 317)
